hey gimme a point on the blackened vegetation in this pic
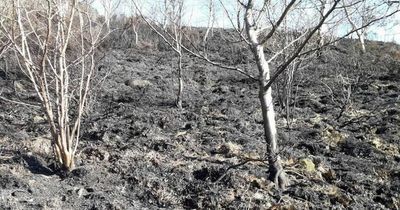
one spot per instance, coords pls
(138, 151)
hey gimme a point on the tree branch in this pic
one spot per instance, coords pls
(281, 18)
(283, 67)
(350, 32)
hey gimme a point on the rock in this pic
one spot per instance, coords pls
(232, 112)
(228, 149)
(79, 192)
(38, 119)
(19, 87)
(376, 142)
(180, 133)
(308, 165)
(316, 120)
(224, 89)
(258, 196)
(333, 137)
(40, 145)
(204, 110)
(229, 196)
(282, 121)
(133, 83)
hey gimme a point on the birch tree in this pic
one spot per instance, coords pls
(260, 24)
(172, 34)
(265, 79)
(322, 32)
(211, 19)
(360, 15)
(165, 10)
(109, 7)
(55, 42)
(367, 14)
(135, 22)
(176, 17)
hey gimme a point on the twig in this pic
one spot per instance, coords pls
(371, 114)
(20, 103)
(185, 48)
(238, 165)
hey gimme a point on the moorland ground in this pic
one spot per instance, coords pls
(138, 151)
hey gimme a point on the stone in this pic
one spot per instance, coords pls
(307, 164)
(38, 119)
(135, 83)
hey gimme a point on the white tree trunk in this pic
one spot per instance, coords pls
(136, 35)
(361, 37)
(166, 14)
(276, 172)
(180, 83)
(323, 31)
(210, 20)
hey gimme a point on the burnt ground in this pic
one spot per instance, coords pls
(140, 152)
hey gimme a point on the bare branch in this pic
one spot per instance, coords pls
(348, 33)
(21, 103)
(237, 29)
(278, 23)
(190, 51)
(283, 66)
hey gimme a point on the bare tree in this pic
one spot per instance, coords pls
(322, 32)
(260, 24)
(109, 8)
(172, 34)
(166, 9)
(177, 28)
(134, 23)
(257, 38)
(360, 15)
(263, 21)
(56, 43)
(367, 14)
(211, 19)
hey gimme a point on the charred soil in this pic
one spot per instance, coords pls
(340, 146)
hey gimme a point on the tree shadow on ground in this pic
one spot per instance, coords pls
(33, 162)
(36, 165)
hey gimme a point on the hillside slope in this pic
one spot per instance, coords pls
(139, 152)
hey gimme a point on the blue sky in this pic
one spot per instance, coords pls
(197, 15)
